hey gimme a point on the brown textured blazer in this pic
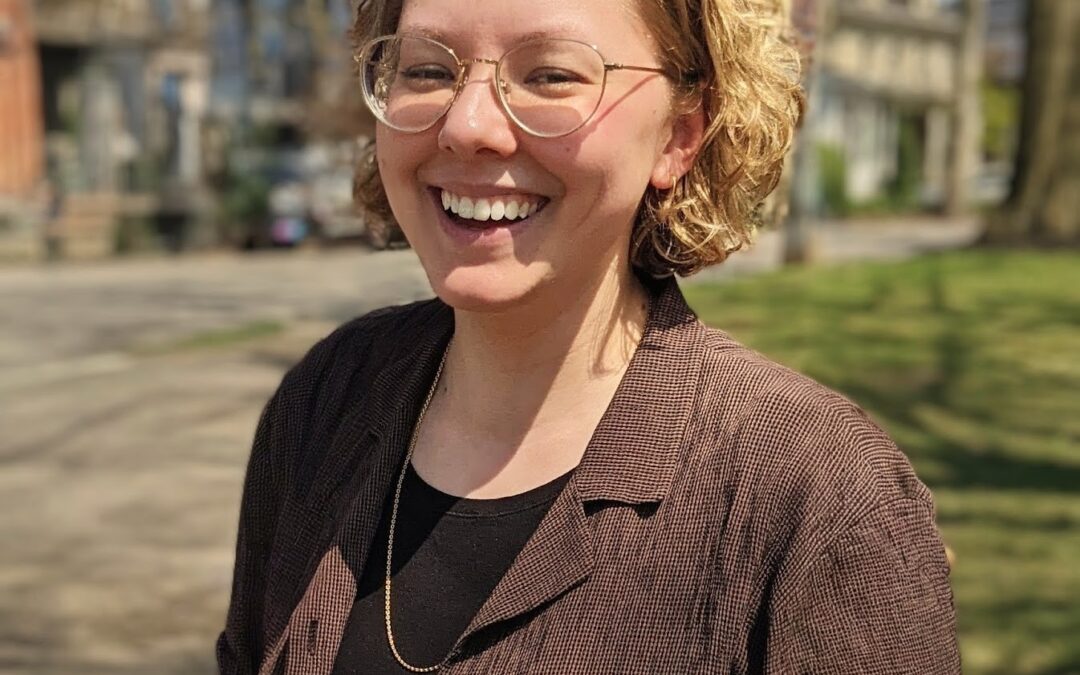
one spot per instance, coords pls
(729, 515)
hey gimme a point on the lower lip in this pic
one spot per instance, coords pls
(488, 237)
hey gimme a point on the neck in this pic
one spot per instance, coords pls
(509, 372)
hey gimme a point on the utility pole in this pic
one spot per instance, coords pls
(966, 118)
(799, 245)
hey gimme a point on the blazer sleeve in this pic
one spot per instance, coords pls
(238, 646)
(877, 600)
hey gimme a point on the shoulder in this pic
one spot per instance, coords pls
(366, 340)
(332, 379)
(822, 510)
(814, 461)
(380, 331)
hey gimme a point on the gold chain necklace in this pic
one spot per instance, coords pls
(393, 522)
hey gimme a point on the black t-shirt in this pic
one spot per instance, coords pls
(449, 554)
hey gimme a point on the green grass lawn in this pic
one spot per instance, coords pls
(971, 361)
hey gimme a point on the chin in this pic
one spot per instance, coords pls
(486, 290)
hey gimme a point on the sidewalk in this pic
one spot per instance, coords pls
(839, 242)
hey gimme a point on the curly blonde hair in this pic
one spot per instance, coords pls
(738, 62)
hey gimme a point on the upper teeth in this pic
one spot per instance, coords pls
(489, 208)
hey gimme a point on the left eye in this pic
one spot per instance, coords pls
(552, 76)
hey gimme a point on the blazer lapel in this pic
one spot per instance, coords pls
(632, 458)
(309, 526)
(397, 395)
(555, 559)
(313, 622)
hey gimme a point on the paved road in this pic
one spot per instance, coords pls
(122, 451)
(80, 310)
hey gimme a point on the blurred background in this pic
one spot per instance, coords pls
(177, 228)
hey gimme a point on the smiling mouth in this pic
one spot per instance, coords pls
(487, 212)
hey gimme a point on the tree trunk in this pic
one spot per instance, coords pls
(1044, 207)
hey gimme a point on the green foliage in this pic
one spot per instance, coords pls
(231, 336)
(133, 234)
(1001, 120)
(247, 198)
(902, 192)
(218, 338)
(146, 175)
(245, 201)
(882, 205)
(969, 361)
(833, 168)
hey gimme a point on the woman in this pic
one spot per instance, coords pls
(567, 472)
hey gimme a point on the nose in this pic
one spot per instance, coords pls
(476, 122)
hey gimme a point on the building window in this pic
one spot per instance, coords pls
(165, 12)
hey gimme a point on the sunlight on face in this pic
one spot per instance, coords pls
(584, 187)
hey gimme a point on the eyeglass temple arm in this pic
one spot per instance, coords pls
(622, 66)
(686, 78)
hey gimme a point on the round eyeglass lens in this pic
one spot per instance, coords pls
(552, 87)
(408, 82)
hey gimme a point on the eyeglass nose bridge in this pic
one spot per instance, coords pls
(504, 86)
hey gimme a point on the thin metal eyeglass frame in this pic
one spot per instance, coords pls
(463, 78)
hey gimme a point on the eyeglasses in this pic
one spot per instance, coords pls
(548, 87)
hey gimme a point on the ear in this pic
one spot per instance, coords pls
(677, 156)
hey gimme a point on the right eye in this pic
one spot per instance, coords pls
(431, 73)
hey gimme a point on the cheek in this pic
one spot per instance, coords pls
(616, 159)
(398, 157)
(394, 151)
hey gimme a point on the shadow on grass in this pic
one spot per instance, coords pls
(1003, 522)
(989, 467)
(952, 350)
(1029, 626)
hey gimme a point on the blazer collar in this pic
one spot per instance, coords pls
(634, 451)
(633, 454)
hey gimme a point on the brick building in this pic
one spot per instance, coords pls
(21, 160)
(110, 99)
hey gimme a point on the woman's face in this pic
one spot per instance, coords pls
(586, 185)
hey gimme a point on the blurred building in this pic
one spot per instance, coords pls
(286, 62)
(21, 141)
(124, 83)
(898, 112)
(117, 90)
(20, 114)
(290, 115)
(121, 118)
